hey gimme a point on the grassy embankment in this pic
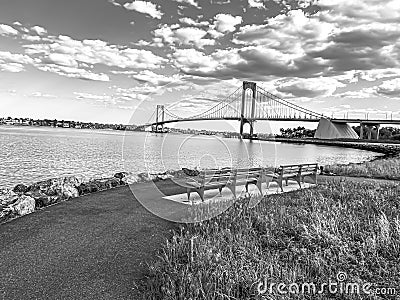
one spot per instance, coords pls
(384, 168)
(306, 236)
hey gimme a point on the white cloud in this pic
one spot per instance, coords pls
(143, 92)
(115, 3)
(191, 59)
(42, 95)
(144, 7)
(7, 30)
(81, 95)
(62, 59)
(359, 94)
(31, 38)
(361, 11)
(12, 67)
(39, 30)
(66, 51)
(73, 72)
(14, 62)
(256, 3)
(190, 2)
(174, 34)
(165, 81)
(309, 88)
(112, 100)
(189, 35)
(191, 22)
(390, 88)
(290, 33)
(226, 22)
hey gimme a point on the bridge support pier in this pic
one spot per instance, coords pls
(243, 120)
(369, 129)
(378, 129)
(160, 117)
(328, 129)
(369, 132)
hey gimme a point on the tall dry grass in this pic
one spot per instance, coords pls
(387, 168)
(306, 236)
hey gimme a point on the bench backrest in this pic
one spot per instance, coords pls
(209, 175)
(289, 169)
(309, 167)
(297, 169)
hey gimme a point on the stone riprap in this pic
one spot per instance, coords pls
(23, 199)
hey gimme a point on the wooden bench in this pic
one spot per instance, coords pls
(293, 172)
(220, 178)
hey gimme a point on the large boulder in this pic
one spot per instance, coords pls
(6, 214)
(130, 178)
(13, 205)
(164, 176)
(121, 175)
(96, 185)
(54, 190)
(24, 205)
(87, 188)
(7, 197)
(20, 189)
(190, 172)
(176, 173)
(42, 199)
(69, 187)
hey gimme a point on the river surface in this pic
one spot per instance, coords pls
(31, 154)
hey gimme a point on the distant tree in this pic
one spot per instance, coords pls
(299, 132)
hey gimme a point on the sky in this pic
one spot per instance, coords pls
(113, 61)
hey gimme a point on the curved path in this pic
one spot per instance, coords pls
(92, 247)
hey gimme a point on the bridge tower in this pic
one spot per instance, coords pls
(160, 117)
(243, 118)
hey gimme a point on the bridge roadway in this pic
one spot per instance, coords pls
(368, 121)
(364, 121)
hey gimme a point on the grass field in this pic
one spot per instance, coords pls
(386, 168)
(307, 236)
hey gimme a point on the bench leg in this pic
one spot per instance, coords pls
(268, 181)
(220, 189)
(200, 191)
(279, 181)
(188, 193)
(259, 182)
(298, 180)
(232, 188)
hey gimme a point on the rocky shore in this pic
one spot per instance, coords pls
(23, 199)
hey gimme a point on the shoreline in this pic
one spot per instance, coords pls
(22, 200)
(374, 146)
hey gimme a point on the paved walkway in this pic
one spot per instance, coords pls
(92, 247)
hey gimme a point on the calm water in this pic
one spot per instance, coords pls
(31, 154)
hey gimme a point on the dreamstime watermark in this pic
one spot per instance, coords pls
(339, 285)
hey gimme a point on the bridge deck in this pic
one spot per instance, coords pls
(364, 121)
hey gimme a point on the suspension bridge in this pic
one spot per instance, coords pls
(250, 103)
